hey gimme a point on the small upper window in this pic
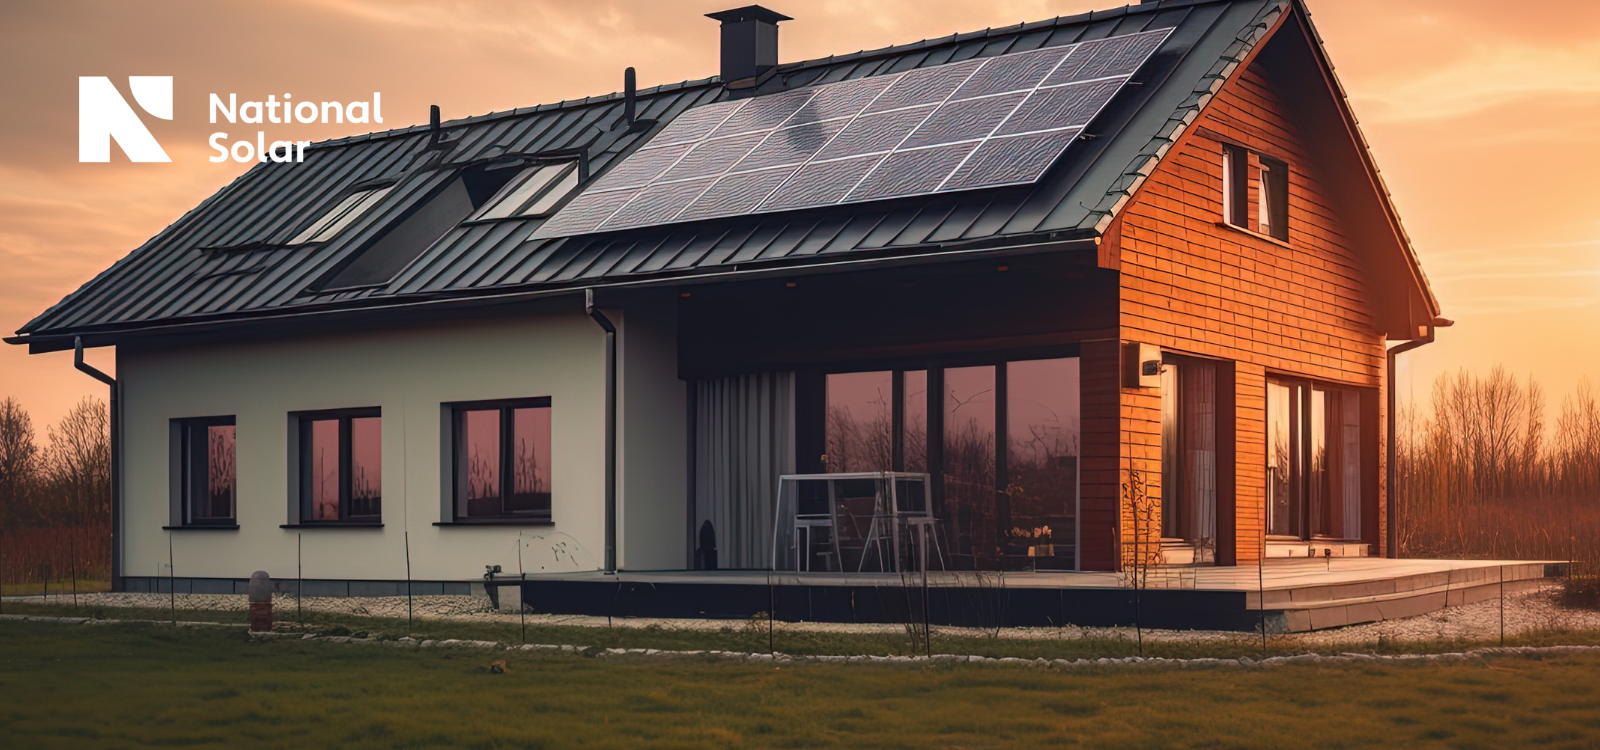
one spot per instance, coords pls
(207, 479)
(533, 192)
(1271, 178)
(341, 215)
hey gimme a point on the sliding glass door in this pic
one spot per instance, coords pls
(1314, 454)
(998, 438)
(1189, 455)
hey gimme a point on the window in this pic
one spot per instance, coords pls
(206, 479)
(1314, 454)
(535, 191)
(1271, 178)
(502, 460)
(859, 427)
(1274, 198)
(451, 201)
(341, 215)
(341, 467)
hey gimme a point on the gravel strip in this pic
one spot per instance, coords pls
(1529, 610)
(777, 657)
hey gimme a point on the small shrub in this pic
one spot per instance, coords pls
(1581, 591)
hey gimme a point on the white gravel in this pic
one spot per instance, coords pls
(1530, 610)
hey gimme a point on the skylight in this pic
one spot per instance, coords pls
(341, 215)
(533, 192)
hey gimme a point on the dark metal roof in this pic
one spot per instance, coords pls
(225, 259)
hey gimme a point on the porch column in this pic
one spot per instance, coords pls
(1100, 475)
(1249, 469)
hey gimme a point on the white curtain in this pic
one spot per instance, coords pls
(1350, 468)
(744, 440)
(1199, 420)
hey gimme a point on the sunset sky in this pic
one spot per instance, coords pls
(1484, 116)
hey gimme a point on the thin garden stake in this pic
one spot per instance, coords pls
(172, 581)
(299, 582)
(72, 567)
(408, 583)
(522, 577)
(1261, 589)
(927, 627)
(1502, 605)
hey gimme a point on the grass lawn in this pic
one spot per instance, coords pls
(135, 685)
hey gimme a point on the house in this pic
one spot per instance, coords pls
(1120, 285)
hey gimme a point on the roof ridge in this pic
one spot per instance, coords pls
(783, 68)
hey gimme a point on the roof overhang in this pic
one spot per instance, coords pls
(383, 311)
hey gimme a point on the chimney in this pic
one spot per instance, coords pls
(749, 42)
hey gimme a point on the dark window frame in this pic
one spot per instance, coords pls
(507, 479)
(1236, 186)
(190, 474)
(347, 517)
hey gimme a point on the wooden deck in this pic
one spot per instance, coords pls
(1290, 595)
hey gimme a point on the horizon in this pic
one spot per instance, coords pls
(1457, 127)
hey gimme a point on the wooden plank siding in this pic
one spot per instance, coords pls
(1193, 286)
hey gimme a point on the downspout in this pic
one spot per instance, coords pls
(611, 426)
(1393, 507)
(116, 458)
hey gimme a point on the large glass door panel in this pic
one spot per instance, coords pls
(859, 426)
(1041, 460)
(969, 463)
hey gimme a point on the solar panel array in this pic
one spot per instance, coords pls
(960, 126)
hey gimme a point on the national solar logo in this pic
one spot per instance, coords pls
(103, 116)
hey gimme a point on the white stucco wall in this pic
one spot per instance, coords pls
(652, 452)
(408, 373)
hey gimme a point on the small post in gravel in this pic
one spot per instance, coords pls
(299, 582)
(1502, 578)
(260, 595)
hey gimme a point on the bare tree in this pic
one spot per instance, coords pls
(19, 461)
(79, 460)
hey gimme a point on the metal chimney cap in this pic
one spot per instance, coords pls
(748, 13)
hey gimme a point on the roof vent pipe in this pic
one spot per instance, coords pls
(630, 95)
(749, 44)
(433, 126)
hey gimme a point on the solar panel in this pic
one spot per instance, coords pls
(960, 126)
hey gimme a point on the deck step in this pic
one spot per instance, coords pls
(1300, 609)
